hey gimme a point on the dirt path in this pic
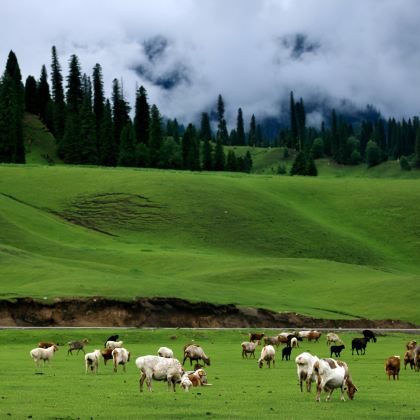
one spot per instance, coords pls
(165, 312)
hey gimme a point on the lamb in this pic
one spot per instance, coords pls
(305, 369)
(294, 342)
(113, 344)
(159, 368)
(333, 338)
(336, 350)
(392, 367)
(248, 348)
(166, 352)
(46, 355)
(121, 356)
(285, 353)
(194, 352)
(112, 338)
(267, 355)
(197, 378)
(92, 361)
(77, 345)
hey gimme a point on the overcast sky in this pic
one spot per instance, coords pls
(253, 52)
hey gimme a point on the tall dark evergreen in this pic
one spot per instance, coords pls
(205, 128)
(59, 106)
(120, 110)
(231, 162)
(108, 149)
(74, 94)
(98, 97)
(127, 152)
(222, 132)
(335, 138)
(207, 155)
(31, 96)
(219, 155)
(88, 145)
(293, 122)
(142, 117)
(190, 149)
(300, 116)
(417, 148)
(240, 131)
(252, 133)
(299, 166)
(44, 98)
(12, 105)
(155, 136)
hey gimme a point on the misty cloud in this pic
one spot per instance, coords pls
(252, 52)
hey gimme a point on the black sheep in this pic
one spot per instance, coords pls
(337, 350)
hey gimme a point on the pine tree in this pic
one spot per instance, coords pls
(240, 131)
(190, 149)
(231, 162)
(58, 107)
(120, 110)
(293, 122)
(252, 134)
(335, 139)
(31, 96)
(219, 155)
(205, 128)
(300, 116)
(207, 155)
(155, 135)
(108, 149)
(299, 166)
(142, 117)
(127, 154)
(74, 94)
(87, 143)
(222, 132)
(44, 97)
(311, 169)
(98, 97)
(247, 162)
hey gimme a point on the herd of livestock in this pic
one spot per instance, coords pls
(328, 373)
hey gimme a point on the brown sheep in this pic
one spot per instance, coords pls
(392, 367)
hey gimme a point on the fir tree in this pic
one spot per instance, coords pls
(205, 128)
(311, 169)
(31, 96)
(293, 122)
(240, 131)
(219, 155)
(58, 107)
(120, 110)
(74, 94)
(247, 162)
(44, 97)
(207, 155)
(222, 132)
(231, 162)
(252, 134)
(190, 149)
(155, 136)
(299, 166)
(87, 144)
(127, 153)
(142, 117)
(108, 149)
(98, 97)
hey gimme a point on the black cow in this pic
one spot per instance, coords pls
(359, 344)
(369, 335)
(285, 353)
(337, 350)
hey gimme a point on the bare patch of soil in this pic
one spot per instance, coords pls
(164, 312)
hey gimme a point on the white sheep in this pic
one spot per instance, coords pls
(159, 369)
(248, 347)
(294, 342)
(46, 355)
(121, 356)
(166, 352)
(113, 344)
(268, 354)
(92, 361)
(194, 352)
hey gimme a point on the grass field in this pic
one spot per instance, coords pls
(327, 247)
(240, 389)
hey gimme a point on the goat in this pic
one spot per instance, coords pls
(77, 345)
(248, 348)
(267, 355)
(159, 369)
(392, 367)
(45, 355)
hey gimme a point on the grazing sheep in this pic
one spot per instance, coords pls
(159, 369)
(409, 359)
(268, 355)
(194, 352)
(274, 341)
(294, 342)
(166, 352)
(92, 361)
(112, 338)
(359, 344)
(46, 355)
(256, 336)
(392, 367)
(285, 353)
(305, 369)
(333, 338)
(369, 335)
(77, 345)
(121, 356)
(248, 348)
(336, 350)
(113, 344)
(313, 335)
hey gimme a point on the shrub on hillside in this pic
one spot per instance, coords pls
(405, 164)
(373, 154)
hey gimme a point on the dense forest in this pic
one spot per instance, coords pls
(92, 129)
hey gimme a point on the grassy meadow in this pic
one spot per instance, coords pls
(327, 247)
(240, 389)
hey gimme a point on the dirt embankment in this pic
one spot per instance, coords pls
(163, 312)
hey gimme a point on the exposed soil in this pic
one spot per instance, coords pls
(163, 312)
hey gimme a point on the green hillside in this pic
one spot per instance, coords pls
(330, 247)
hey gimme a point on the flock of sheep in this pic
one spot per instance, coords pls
(329, 374)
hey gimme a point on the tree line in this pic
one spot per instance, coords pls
(92, 129)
